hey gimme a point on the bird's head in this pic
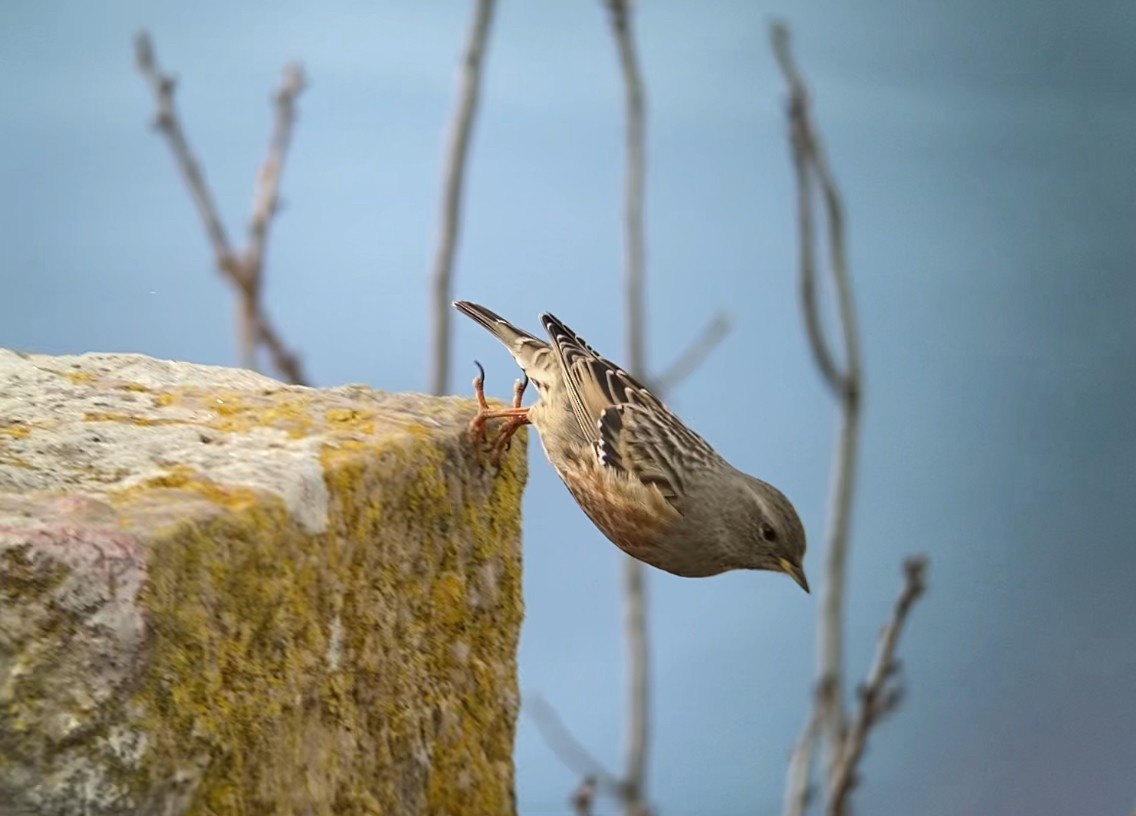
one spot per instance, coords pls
(774, 538)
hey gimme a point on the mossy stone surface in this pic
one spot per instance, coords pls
(220, 594)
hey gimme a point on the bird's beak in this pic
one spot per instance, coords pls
(795, 572)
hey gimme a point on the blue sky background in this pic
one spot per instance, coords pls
(986, 157)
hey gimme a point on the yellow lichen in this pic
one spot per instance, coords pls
(130, 419)
(16, 430)
(287, 411)
(449, 598)
(367, 669)
(243, 605)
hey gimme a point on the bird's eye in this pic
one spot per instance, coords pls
(767, 531)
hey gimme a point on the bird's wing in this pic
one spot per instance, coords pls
(593, 382)
(653, 447)
(633, 432)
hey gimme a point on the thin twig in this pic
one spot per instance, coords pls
(639, 688)
(267, 198)
(802, 141)
(881, 693)
(284, 359)
(568, 749)
(834, 212)
(831, 630)
(811, 167)
(441, 281)
(167, 123)
(634, 184)
(695, 354)
(244, 270)
(638, 652)
(584, 797)
(266, 203)
(798, 786)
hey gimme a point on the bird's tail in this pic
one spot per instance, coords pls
(498, 326)
(533, 355)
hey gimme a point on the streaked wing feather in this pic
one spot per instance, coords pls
(652, 446)
(633, 432)
(594, 382)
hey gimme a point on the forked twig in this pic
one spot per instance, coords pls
(695, 354)
(827, 722)
(881, 693)
(245, 270)
(846, 383)
(568, 749)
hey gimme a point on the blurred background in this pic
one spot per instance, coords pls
(985, 154)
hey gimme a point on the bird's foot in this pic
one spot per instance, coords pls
(516, 417)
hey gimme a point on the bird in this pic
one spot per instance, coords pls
(653, 487)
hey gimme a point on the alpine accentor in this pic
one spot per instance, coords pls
(653, 486)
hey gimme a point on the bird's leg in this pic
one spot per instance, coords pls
(515, 423)
(516, 416)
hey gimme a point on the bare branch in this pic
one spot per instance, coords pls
(249, 273)
(831, 632)
(639, 688)
(798, 787)
(844, 746)
(168, 124)
(567, 748)
(804, 155)
(881, 693)
(244, 271)
(834, 212)
(696, 353)
(285, 361)
(266, 202)
(811, 167)
(441, 285)
(635, 615)
(619, 13)
(584, 797)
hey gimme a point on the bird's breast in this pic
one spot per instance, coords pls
(634, 517)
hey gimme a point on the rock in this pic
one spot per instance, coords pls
(221, 594)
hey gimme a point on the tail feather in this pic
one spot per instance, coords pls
(535, 356)
(498, 326)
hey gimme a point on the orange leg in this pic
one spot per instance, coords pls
(517, 416)
(516, 421)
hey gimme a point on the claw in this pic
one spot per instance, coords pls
(519, 390)
(479, 386)
(517, 416)
(477, 426)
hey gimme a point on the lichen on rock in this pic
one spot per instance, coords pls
(220, 594)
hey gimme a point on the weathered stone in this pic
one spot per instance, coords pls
(220, 594)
